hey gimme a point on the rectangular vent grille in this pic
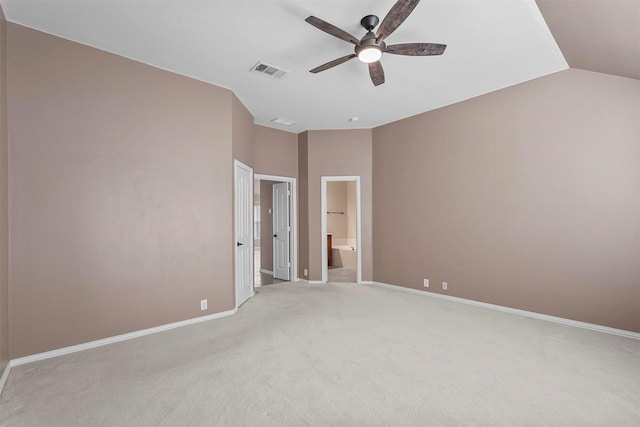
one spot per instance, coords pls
(269, 70)
(284, 122)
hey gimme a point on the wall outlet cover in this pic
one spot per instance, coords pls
(306, 272)
(445, 286)
(203, 304)
(426, 283)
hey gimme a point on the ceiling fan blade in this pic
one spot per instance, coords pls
(376, 72)
(333, 63)
(396, 16)
(332, 29)
(416, 49)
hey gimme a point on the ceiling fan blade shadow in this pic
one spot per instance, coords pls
(376, 72)
(332, 29)
(396, 16)
(416, 49)
(333, 63)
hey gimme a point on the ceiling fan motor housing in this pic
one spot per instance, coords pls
(369, 41)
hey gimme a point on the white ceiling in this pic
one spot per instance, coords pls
(492, 44)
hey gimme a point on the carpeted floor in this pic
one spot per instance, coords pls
(344, 355)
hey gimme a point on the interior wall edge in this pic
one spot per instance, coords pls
(4, 200)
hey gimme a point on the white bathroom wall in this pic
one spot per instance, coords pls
(351, 213)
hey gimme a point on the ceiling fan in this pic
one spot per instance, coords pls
(369, 49)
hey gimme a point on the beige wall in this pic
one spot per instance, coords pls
(242, 129)
(337, 202)
(303, 204)
(275, 152)
(4, 200)
(120, 189)
(338, 153)
(526, 197)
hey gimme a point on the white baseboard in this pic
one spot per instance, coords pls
(5, 375)
(298, 279)
(118, 338)
(534, 315)
(263, 271)
(365, 282)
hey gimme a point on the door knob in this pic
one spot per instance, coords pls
(239, 244)
(275, 235)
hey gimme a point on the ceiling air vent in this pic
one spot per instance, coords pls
(283, 122)
(268, 70)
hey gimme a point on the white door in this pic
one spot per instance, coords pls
(243, 191)
(281, 231)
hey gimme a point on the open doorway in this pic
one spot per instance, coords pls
(275, 230)
(341, 217)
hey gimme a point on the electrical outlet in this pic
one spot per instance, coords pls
(306, 272)
(444, 286)
(203, 304)
(426, 283)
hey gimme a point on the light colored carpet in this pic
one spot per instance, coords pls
(340, 354)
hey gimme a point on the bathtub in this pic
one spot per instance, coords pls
(344, 256)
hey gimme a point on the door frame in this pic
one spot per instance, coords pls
(238, 164)
(293, 212)
(323, 228)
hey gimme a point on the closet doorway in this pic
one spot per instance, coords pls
(275, 229)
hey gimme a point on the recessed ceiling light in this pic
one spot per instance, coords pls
(283, 122)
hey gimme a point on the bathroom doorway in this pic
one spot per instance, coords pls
(341, 249)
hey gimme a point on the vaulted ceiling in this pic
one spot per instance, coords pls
(491, 44)
(601, 36)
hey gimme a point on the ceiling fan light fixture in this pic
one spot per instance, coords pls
(370, 54)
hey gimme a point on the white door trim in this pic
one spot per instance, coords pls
(323, 216)
(294, 217)
(237, 164)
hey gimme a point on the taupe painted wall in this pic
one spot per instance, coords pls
(275, 152)
(4, 200)
(303, 204)
(526, 197)
(120, 194)
(266, 225)
(339, 153)
(242, 132)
